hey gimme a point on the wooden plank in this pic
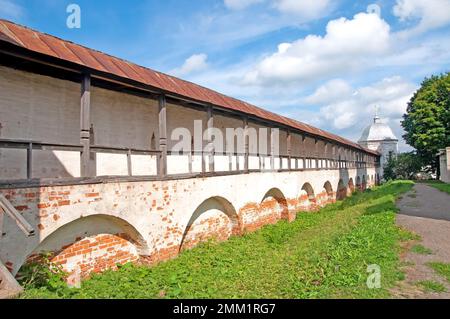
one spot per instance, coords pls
(129, 164)
(272, 148)
(10, 287)
(30, 161)
(85, 125)
(21, 222)
(190, 156)
(2, 218)
(162, 124)
(246, 145)
(289, 148)
(209, 127)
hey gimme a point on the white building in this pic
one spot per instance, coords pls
(444, 161)
(379, 137)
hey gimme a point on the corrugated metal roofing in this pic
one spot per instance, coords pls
(52, 46)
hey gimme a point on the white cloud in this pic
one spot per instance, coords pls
(348, 113)
(355, 49)
(195, 63)
(346, 45)
(240, 4)
(330, 91)
(9, 9)
(430, 13)
(307, 9)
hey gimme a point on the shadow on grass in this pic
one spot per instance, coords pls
(389, 188)
(381, 208)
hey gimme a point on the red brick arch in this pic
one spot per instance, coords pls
(218, 226)
(351, 185)
(309, 191)
(329, 191)
(92, 244)
(341, 190)
(275, 200)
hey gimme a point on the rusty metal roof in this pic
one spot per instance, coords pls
(68, 51)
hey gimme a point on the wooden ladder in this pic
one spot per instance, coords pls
(9, 287)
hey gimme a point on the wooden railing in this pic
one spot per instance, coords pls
(294, 163)
(29, 146)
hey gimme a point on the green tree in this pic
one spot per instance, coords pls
(427, 119)
(403, 166)
(389, 169)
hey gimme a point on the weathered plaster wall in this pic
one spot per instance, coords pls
(92, 227)
(444, 162)
(38, 108)
(155, 220)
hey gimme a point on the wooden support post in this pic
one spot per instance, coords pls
(246, 145)
(289, 150)
(85, 125)
(304, 151)
(316, 152)
(272, 149)
(30, 161)
(129, 164)
(210, 127)
(191, 154)
(162, 121)
(2, 218)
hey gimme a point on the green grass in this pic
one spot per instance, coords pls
(419, 249)
(443, 187)
(431, 286)
(442, 269)
(319, 255)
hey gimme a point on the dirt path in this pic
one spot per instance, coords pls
(426, 212)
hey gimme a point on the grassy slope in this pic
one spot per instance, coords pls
(320, 255)
(442, 269)
(440, 185)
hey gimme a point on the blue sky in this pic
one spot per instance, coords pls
(324, 62)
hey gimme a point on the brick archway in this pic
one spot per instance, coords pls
(92, 244)
(275, 201)
(214, 218)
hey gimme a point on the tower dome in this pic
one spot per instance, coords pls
(377, 131)
(379, 137)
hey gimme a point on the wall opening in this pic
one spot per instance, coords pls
(351, 186)
(214, 219)
(328, 191)
(307, 198)
(341, 190)
(274, 203)
(92, 244)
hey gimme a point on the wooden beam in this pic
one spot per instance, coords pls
(85, 125)
(246, 144)
(30, 161)
(289, 148)
(210, 127)
(162, 124)
(190, 156)
(272, 148)
(129, 164)
(303, 150)
(2, 218)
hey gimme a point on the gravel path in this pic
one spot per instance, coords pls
(426, 212)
